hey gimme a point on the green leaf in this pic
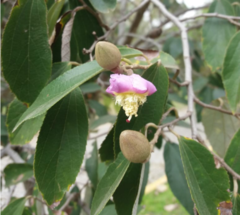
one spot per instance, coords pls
(129, 52)
(231, 72)
(92, 166)
(16, 207)
(167, 60)
(26, 55)
(61, 146)
(104, 6)
(106, 150)
(90, 87)
(109, 183)
(27, 211)
(100, 109)
(232, 156)
(84, 24)
(126, 193)
(102, 120)
(217, 34)
(53, 15)
(59, 88)
(175, 174)
(208, 185)
(236, 205)
(219, 127)
(27, 130)
(17, 172)
(59, 68)
(109, 210)
(3, 128)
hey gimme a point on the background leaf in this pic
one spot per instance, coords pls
(91, 166)
(59, 68)
(104, 6)
(208, 185)
(102, 120)
(219, 127)
(27, 130)
(17, 172)
(53, 14)
(236, 205)
(84, 24)
(175, 175)
(231, 72)
(16, 207)
(26, 55)
(109, 183)
(61, 146)
(217, 34)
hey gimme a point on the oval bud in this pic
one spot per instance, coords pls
(135, 146)
(107, 55)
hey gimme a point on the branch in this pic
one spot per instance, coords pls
(237, 115)
(12, 154)
(136, 22)
(187, 62)
(88, 51)
(156, 32)
(222, 16)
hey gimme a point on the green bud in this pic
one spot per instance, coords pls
(135, 146)
(107, 55)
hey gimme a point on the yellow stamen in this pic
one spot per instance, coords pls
(130, 102)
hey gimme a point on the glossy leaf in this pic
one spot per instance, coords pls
(219, 127)
(53, 15)
(91, 166)
(61, 146)
(231, 72)
(84, 24)
(59, 68)
(59, 88)
(129, 52)
(109, 183)
(167, 60)
(104, 6)
(236, 205)
(232, 157)
(27, 130)
(175, 175)
(27, 211)
(106, 150)
(126, 193)
(17, 172)
(15, 207)
(208, 185)
(109, 210)
(26, 55)
(217, 34)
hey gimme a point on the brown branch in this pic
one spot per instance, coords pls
(137, 19)
(237, 115)
(114, 25)
(90, 10)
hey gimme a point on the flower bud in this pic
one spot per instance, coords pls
(134, 146)
(107, 55)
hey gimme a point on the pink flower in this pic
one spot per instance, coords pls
(130, 91)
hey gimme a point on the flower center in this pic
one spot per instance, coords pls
(130, 102)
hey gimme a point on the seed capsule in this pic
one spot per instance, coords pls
(107, 55)
(135, 146)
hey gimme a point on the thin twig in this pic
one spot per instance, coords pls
(114, 25)
(69, 199)
(235, 187)
(222, 16)
(187, 63)
(186, 83)
(12, 154)
(237, 115)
